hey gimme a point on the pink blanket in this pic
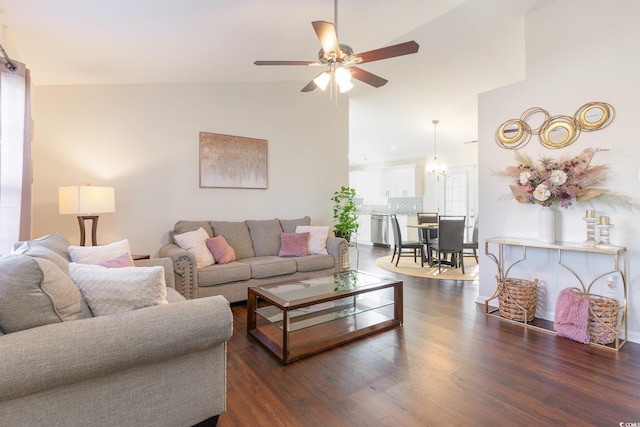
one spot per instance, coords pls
(572, 316)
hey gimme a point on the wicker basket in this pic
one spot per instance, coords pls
(603, 319)
(516, 296)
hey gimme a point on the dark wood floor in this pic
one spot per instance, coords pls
(448, 365)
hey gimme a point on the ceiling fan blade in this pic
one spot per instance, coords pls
(326, 33)
(287, 63)
(405, 48)
(367, 77)
(309, 87)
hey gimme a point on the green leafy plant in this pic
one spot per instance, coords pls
(345, 213)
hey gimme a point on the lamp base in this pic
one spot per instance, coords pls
(94, 229)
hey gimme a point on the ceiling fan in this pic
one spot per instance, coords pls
(341, 61)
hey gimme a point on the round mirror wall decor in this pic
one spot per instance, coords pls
(553, 132)
(513, 134)
(559, 132)
(594, 116)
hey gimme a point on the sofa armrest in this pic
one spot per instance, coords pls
(166, 263)
(42, 358)
(185, 269)
(338, 248)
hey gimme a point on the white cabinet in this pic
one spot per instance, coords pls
(398, 182)
(364, 230)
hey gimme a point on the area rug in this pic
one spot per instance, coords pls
(408, 267)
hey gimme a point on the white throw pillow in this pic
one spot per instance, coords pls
(116, 290)
(98, 254)
(196, 243)
(318, 235)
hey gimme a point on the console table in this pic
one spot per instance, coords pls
(618, 255)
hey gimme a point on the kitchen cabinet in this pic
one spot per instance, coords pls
(398, 182)
(364, 230)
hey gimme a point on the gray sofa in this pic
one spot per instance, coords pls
(256, 244)
(162, 365)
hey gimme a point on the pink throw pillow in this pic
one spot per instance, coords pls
(294, 244)
(120, 261)
(222, 251)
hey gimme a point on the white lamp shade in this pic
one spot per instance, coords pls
(86, 199)
(322, 80)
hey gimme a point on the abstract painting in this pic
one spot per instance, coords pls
(232, 161)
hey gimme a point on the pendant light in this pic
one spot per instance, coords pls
(434, 167)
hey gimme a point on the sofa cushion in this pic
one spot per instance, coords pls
(196, 243)
(289, 225)
(56, 242)
(265, 236)
(98, 254)
(318, 239)
(185, 226)
(218, 274)
(37, 251)
(116, 290)
(237, 235)
(222, 251)
(269, 266)
(294, 244)
(34, 292)
(315, 262)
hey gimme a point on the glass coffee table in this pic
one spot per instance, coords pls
(297, 319)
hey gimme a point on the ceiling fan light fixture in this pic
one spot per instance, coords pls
(345, 87)
(322, 81)
(343, 76)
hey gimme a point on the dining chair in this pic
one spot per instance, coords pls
(428, 234)
(400, 246)
(471, 248)
(450, 240)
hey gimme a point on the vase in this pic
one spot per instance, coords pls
(547, 225)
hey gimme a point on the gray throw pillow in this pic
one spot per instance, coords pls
(34, 292)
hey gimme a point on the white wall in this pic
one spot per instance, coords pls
(577, 52)
(143, 140)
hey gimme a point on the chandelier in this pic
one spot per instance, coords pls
(434, 167)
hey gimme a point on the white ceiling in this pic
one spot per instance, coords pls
(466, 47)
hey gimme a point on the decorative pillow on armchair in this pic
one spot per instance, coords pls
(115, 290)
(318, 239)
(98, 254)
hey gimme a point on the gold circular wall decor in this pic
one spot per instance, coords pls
(532, 113)
(594, 116)
(559, 131)
(513, 134)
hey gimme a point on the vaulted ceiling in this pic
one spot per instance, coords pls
(466, 47)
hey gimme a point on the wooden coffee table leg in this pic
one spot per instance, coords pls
(251, 310)
(285, 336)
(397, 302)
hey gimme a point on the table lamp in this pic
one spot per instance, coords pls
(86, 201)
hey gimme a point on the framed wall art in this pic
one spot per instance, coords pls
(228, 161)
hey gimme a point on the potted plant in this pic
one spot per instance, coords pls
(345, 213)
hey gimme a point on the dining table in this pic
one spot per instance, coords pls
(425, 228)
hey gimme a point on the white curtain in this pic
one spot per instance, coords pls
(15, 155)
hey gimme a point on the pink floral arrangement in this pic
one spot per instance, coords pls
(549, 182)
